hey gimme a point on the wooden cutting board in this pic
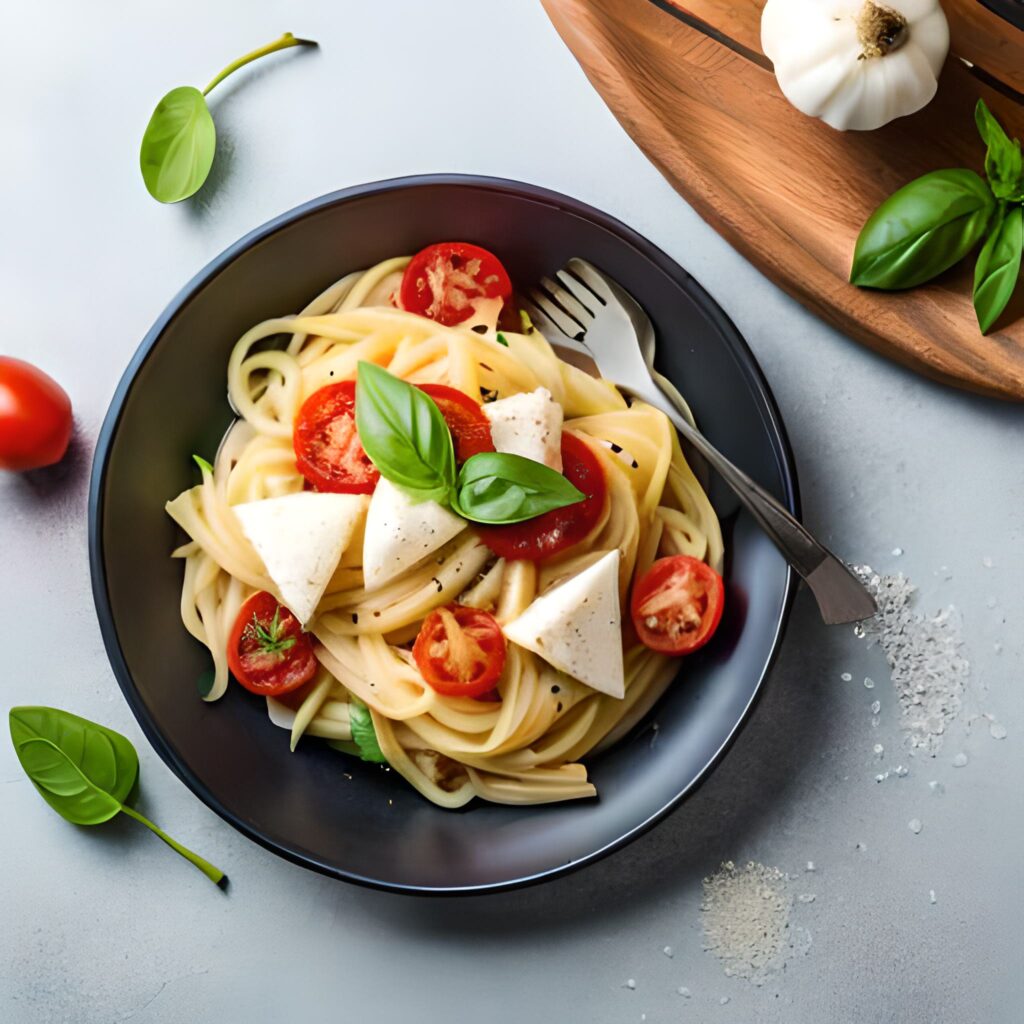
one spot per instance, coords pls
(790, 193)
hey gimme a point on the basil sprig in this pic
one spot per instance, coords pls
(405, 436)
(936, 220)
(180, 140)
(496, 487)
(84, 771)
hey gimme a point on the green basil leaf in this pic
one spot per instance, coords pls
(363, 733)
(501, 339)
(203, 465)
(84, 771)
(1004, 164)
(998, 267)
(178, 145)
(495, 487)
(922, 230)
(404, 434)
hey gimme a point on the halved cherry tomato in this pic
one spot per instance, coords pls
(471, 429)
(328, 451)
(560, 528)
(677, 605)
(460, 651)
(35, 417)
(444, 281)
(267, 651)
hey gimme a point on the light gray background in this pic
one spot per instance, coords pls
(107, 924)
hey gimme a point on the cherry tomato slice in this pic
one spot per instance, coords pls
(35, 417)
(560, 528)
(471, 429)
(677, 605)
(267, 651)
(460, 651)
(328, 451)
(443, 281)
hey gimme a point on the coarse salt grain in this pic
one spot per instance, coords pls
(745, 914)
(915, 825)
(925, 658)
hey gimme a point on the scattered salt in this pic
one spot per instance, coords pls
(960, 760)
(806, 897)
(630, 983)
(897, 552)
(862, 847)
(902, 771)
(684, 991)
(987, 562)
(669, 952)
(937, 787)
(997, 731)
(878, 749)
(931, 896)
(846, 677)
(915, 825)
(876, 706)
(745, 913)
(925, 658)
(810, 866)
(723, 1000)
(997, 647)
(869, 683)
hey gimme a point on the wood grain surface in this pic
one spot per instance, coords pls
(787, 191)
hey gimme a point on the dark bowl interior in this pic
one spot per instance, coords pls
(367, 825)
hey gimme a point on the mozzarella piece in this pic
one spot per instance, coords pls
(400, 533)
(300, 538)
(528, 424)
(577, 627)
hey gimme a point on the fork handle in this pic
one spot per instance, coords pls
(840, 595)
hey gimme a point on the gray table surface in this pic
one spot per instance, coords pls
(108, 925)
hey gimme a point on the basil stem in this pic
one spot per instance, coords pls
(279, 44)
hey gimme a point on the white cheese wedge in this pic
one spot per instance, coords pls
(577, 627)
(528, 424)
(400, 533)
(300, 538)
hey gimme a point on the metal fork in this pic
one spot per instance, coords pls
(606, 331)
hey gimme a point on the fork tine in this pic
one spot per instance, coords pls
(568, 301)
(556, 315)
(591, 277)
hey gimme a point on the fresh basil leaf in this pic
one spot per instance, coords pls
(998, 267)
(84, 771)
(202, 464)
(922, 230)
(180, 140)
(496, 487)
(404, 434)
(1004, 165)
(501, 339)
(178, 145)
(363, 733)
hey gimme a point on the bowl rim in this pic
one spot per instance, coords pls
(747, 364)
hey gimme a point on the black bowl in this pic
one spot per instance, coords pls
(316, 807)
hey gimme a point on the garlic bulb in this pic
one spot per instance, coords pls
(856, 63)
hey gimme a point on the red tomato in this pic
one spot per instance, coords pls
(471, 429)
(267, 651)
(560, 528)
(460, 651)
(677, 605)
(328, 451)
(35, 417)
(444, 281)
